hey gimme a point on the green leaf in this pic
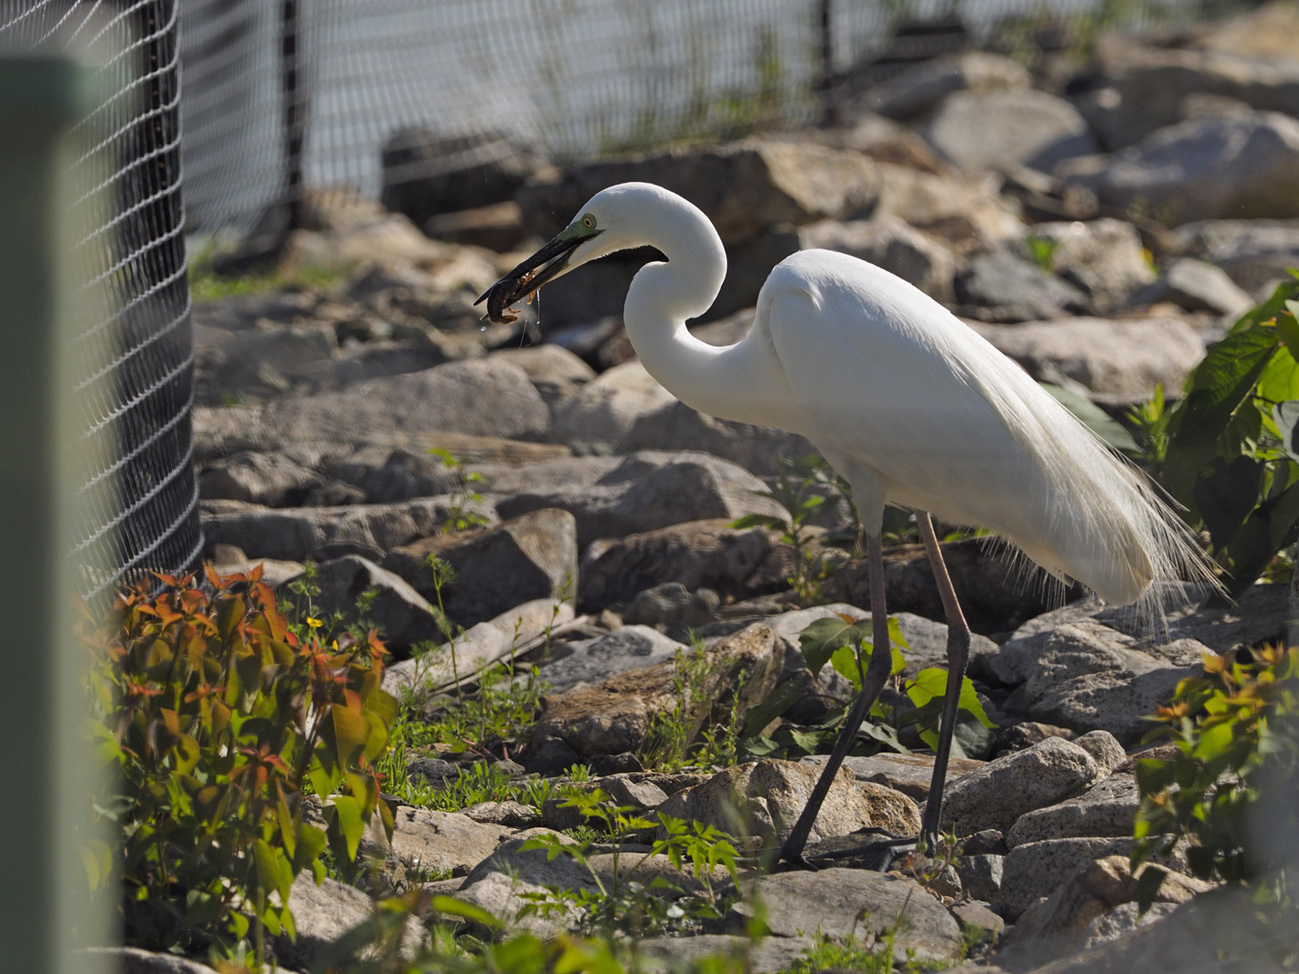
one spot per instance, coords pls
(1110, 430)
(348, 821)
(268, 870)
(1226, 494)
(1148, 884)
(450, 906)
(847, 662)
(1219, 384)
(1286, 416)
(821, 639)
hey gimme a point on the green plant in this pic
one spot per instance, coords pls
(219, 720)
(1041, 251)
(461, 516)
(674, 738)
(846, 646)
(1229, 449)
(624, 904)
(1230, 790)
(796, 491)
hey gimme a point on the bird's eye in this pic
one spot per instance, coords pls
(588, 221)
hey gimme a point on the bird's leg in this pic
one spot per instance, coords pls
(877, 672)
(958, 655)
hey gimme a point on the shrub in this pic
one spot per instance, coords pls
(219, 720)
(1230, 790)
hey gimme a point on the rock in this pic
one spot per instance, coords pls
(1026, 733)
(1085, 676)
(981, 875)
(648, 490)
(556, 372)
(765, 798)
(997, 794)
(322, 914)
(1108, 808)
(513, 814)
(1221, 166)
(664, 955)
(263, 363)
(1115, 361)
(625, 410)
(1104, 747)
(859, 904)
(1036, 869)
(1083, 911)
(448, 398)
(910, 774)
(614, 717)
(133, 960)
(742, 187)
(592, 661)
(533, 556)
(272, 480)
(499, 883)
(400, 475)
(1256, 254)
(1003, 286)
(430, 841)
(1213, 932)
(966, 214)
(919, 89)
(497, 226)
(1145, 88)
(322, 533)
(426, 173)
(975, 918)
(892, 244)
(476, 648)
(401, 614)
(737, 564)
(1103, 257)
(671, 602)
(1196, 286)
(994, 130)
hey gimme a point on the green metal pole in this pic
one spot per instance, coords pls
(45, 914)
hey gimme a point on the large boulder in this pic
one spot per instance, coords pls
(1240, 165)
(921, 88)
(742, 187)
(1001, 129)
(890, 243)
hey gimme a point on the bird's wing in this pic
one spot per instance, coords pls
(889, 378)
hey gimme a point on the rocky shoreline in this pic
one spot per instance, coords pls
(1100, 222)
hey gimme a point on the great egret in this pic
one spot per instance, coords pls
(909, 404)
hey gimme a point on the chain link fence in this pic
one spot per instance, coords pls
(135, 352)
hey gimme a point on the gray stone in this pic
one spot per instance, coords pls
(602, 413)
(976, 918)
(648, 490)
(272, 480)
(1196, 286)
(737, 564)
(742, 187)
(892, 244)
(1003, 286)
(857, 903)
(594, 660)
(1104, 747)
(133, 960)
(765, 798)
(1104, 257)
(995, 130)
(1108, 808)
(322, 914)
(533, 556)
(672, 602)
(321, 533)
(1204, 168)
(1117, 361)
(264, 362)
(401, 614)
(997, 794)
(910, 774)
(1256, 254)
(556, 372)
(981, 875)
(666, 955)
(615, 716)
(432, 841)
(400, 475)
(922, 87)
(513, 814)
(499, 882)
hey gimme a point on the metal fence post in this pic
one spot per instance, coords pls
(44, 909)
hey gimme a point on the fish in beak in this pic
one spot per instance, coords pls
(547, 264)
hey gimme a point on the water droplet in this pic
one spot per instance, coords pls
(482, 327)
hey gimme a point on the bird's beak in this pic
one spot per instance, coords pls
(520, 283)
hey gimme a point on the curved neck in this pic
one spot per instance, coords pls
(717, 381)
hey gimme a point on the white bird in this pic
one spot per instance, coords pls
(909, 404)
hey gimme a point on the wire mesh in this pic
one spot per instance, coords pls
(135, 353)
(570, 80)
